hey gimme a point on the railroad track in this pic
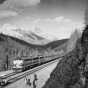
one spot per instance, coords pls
(11, 79)
(8, 75)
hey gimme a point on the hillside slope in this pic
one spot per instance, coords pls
(12, 47)
(69, 71)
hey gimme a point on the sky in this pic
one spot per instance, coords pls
(56, 17)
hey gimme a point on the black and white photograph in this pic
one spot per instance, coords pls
(43, 43)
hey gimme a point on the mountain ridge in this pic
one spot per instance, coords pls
(36, 37)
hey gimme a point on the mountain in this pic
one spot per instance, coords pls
(70, 43)
(40, 32)
(12, 47)
(33, 37)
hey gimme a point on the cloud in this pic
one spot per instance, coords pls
(7, 13)
(57, 20)
(20, 3)
(60, 27)
(33, 2)
(60, 21)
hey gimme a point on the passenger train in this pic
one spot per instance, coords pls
(21, 64)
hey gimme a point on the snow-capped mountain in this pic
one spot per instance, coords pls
(48, 36)
(33, 37)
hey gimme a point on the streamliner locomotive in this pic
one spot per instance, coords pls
(22, 64)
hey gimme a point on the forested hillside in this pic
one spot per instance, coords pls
(11, 47)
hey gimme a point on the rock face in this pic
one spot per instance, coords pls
(73, 39)
(69, 71)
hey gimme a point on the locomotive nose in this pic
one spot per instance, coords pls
(17, 64)
(3, 82)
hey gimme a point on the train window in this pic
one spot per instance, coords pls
(35, 58)
(27, 59)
